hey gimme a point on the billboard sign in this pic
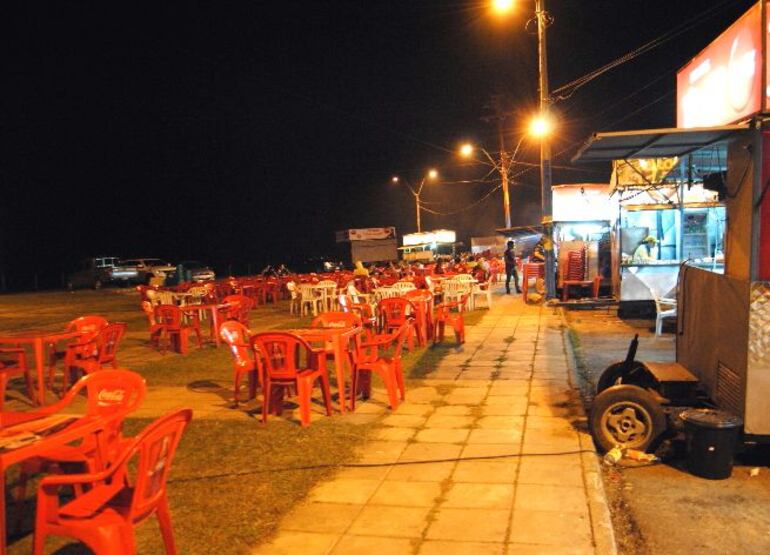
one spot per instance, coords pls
(723, 84)
(366, 234)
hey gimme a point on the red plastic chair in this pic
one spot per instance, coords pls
(170, 317)
(236, 335)
(109, 394)
(390, 369)
(395, 312)
(16, 365)
(95, 353)
(238, 308)
(289, 361)
(88, 326)
(422, 299)
(444, 316)
(105, 517)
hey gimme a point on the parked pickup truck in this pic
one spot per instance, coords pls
(140, 270)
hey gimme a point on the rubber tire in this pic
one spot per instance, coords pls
(637, 395)
(611, 375)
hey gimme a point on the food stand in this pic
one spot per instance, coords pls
(584, 216)
(722, 145)
(426, 246)
(665, 218)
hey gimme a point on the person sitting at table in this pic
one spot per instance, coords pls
(283, 270)
(439, 269)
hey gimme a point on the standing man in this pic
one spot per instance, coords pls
(510, 269)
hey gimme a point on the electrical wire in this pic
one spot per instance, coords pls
(324, 466)
(566, 91)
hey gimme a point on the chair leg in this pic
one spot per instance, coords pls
(354, 388)
(236, 388)
(390, 384)
(164, 519)
(399, 371)
(267, 395)
(326, 391)
(303, 395)
(3, 385)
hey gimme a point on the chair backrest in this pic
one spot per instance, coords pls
(292, 288)
(463, 277)
(87, 324)
(236, 335)
(168, 315)
(108, 340)
(166, 297)
(155, 447)
(283, 354)
(238, 301)
(404, 286)
(395, 310)
(109, 392)
(336, 320)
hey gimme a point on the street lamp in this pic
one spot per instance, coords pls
(503, 7)
(431, 175)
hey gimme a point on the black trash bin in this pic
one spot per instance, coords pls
(711, 439)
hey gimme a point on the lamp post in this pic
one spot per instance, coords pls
(432, 175)
(540, 127)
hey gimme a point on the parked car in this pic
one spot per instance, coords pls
(92, 272)
(140, 270)
(196, 271)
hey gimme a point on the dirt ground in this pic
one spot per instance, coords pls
(662, 508)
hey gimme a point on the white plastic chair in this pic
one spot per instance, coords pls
(481, 290)
(404, 286)
(328, 293)
(665, 308)
(311, 299)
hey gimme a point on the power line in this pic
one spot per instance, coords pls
(566, 91)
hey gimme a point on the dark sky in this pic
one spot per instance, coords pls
(247, 132)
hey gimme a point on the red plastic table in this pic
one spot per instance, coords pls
(336, 341)
(39, 340)
(15, 423)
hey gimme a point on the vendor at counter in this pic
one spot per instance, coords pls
(647, 251)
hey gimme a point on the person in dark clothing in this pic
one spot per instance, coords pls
(510, 269)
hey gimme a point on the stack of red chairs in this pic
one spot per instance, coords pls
(236, 335)
(368, 360)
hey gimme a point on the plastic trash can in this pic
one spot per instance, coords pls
(711, 439)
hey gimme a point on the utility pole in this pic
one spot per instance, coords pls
(545, 154)
(417, 205)
(504, 165)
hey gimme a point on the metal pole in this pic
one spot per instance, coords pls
(545, 156)
(417, 208)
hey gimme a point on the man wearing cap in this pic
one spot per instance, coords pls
(510, 269)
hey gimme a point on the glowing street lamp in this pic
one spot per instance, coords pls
(502, 7)
(540, 126)
(431, 175)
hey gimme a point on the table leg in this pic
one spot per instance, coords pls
(215, 323)
(339, 368)
(39, 366)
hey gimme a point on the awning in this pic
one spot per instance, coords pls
(653, 143)
(521, 231)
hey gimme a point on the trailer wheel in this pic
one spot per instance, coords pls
(615, 374)
(626, 416)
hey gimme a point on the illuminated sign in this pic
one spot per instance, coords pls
(583, 202)
(429, 237)
(723, 84)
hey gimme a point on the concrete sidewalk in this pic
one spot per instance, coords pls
(484, 457)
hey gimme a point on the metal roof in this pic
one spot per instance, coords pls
(653, 143)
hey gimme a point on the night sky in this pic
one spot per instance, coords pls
(242, 133)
